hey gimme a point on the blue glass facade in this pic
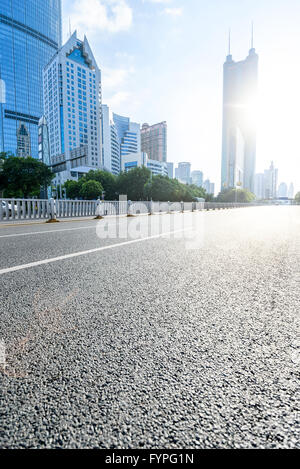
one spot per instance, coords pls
(122, 125)
(128, 135)
(30, 34)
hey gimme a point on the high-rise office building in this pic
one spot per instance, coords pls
(30, 34)
(138, 160)
(154, 141)
(129, 135)
(239, 126)
(259, 186)
(72, 102)
(282, 190)
(23, 141)
(111, 157)
(209, 187)
(183, 173)
(197, 178)
(170, 167)
(291, 192)
(271, 182)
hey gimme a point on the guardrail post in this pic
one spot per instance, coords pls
(99, 211)
(151, 208)
(129, 209)
(52, 211)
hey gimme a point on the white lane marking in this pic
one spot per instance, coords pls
(90, 251)
(47, 231)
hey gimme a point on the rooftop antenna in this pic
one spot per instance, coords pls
(229, 42)
(70, 29)
(252, 35)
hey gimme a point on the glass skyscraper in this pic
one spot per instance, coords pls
(239, 126)
(30, 34)
(129, 135)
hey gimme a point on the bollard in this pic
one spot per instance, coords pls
(52, 211)
(99, 210)
(169, 208)
(182, 207)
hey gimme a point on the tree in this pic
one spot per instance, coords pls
(73, 188)
(24, 177)
(161, 188)
(236, 195)
(297, 197)
(107, 180)
(133, 183)
(91, 190)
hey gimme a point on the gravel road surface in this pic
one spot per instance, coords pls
(189, 340)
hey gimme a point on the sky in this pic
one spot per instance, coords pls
(163, 60)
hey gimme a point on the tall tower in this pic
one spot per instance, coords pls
(72, 104)
(30, 34)
(154, 141)
(239, 126)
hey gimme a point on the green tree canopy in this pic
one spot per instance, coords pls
(233, 195)
(137, 184)
(107, 180)
(133, 183)
(23, 177)
(73, 188)
(161, 188)
(91, 190)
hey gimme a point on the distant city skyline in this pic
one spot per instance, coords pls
(194, 34)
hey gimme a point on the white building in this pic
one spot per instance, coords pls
(111, 157)
(137, 160)
(72, 105)
(183, 173)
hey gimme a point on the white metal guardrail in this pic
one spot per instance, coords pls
(30, 209)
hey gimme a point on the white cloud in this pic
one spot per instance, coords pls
(114, 78)
(115, 101)
(173, 11)
(92, 16)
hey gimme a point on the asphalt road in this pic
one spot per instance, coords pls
(189, 340)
